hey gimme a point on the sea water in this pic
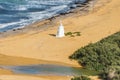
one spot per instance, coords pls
(20, 13)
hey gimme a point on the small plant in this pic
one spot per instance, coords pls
(68, 33)
(72, 34)
(77, 33)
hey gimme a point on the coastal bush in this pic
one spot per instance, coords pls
(72, 34)
(68, 33)
(81, 78)
(111, 73)
(77, 33)
(101, 55)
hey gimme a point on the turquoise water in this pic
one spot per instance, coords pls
(49, 69)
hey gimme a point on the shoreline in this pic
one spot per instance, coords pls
(30, 77)
(38, 44)
(22, 61)
(33, 30)
(40, 27)
(80, 10)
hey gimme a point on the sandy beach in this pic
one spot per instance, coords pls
(14, 77)
(42, 46)
(24, 77)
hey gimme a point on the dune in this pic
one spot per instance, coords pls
(41, 45)
(99, 23)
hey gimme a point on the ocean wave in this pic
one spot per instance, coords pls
(22, 22)
(16, 13)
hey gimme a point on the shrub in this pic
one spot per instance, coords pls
(77, 33)
(112, 73)
(68, 33)
(81, 78)
(101, 55)
(72, 34)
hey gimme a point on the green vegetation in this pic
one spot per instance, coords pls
(81, 78)
(72, 34)
(112, 74)
(83, 71)
(103, 56)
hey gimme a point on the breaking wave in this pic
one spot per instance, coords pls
(19, 13)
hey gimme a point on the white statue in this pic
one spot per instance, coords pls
(60, 32)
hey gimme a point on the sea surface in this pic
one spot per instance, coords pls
(19, 13)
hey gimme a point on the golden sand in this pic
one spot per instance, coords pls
(11, 60)
(3, 71)
(26, 77)
(17, 77)
(41, 45)
(93, 27)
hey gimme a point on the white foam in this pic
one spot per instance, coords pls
(22, 8)
(22, 22)
(48, 2)
(46, 14)
(34, 16)
(7, 24)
